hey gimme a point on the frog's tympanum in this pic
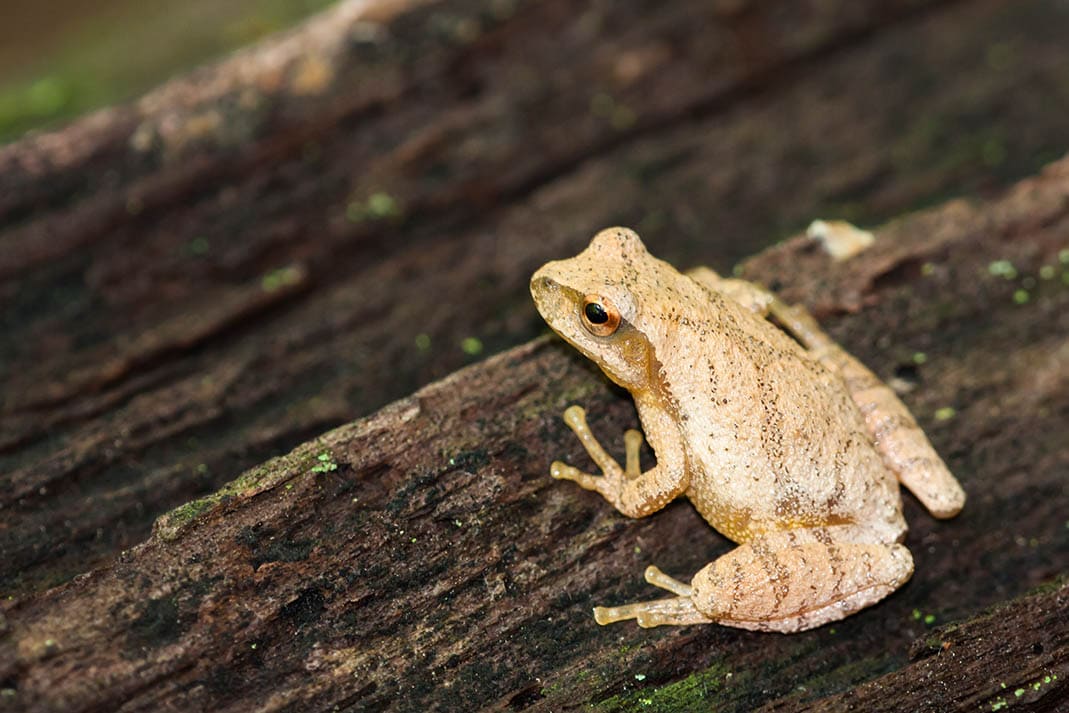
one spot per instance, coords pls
(788, 446)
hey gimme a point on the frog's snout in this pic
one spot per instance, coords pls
(542, 289)
(540, 283)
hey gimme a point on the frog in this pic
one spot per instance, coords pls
(782, 440)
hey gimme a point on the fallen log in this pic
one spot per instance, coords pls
(290, 240)
(422, 558)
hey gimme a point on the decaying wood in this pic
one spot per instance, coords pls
(310, 230)
(421, 557)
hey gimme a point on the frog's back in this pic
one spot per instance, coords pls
(775, 440)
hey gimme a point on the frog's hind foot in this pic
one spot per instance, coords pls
(673, 611)
(657, 612)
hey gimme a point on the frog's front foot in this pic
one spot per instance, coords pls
(632, 492)
(657, 612)
(563, 471)
(609, 483)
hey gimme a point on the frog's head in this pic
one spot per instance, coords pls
(590, 300)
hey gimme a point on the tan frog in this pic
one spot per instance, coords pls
(790, 447)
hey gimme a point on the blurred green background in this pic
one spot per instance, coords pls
(60, 58)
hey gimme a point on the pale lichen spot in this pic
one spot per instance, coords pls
(840, 239)
(1002, 268)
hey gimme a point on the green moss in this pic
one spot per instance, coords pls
(378, 206)
(382, 205)
(1051, 586)
(1002, 268)
(170, 525)
(945, 413)
(185, 513)
(326, 463)
(282, 277)
(928, 619)
(472, 346)
(1002, 702)
(695, 692)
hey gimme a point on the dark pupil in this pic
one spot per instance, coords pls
(596, 313)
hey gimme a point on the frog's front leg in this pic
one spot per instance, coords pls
(781, 581)
(631, 491)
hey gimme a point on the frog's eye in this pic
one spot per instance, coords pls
(599, 316)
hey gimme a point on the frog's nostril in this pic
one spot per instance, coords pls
(540, 283)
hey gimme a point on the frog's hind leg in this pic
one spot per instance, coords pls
(781, 581)
(795, 580)
(901, 442)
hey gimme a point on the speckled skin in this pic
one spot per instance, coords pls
(794, 452)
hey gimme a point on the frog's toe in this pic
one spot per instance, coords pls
(563, 471)
(575, 417)
(632, 446)
(658, 578)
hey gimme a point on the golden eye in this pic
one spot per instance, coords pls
(599, 316)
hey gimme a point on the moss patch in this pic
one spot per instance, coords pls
(268, 475)
(695, 692)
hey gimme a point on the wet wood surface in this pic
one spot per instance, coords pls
(312, 231)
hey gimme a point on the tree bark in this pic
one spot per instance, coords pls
(307, 231)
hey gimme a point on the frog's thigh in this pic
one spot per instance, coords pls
(791, 581)
(902, 444)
